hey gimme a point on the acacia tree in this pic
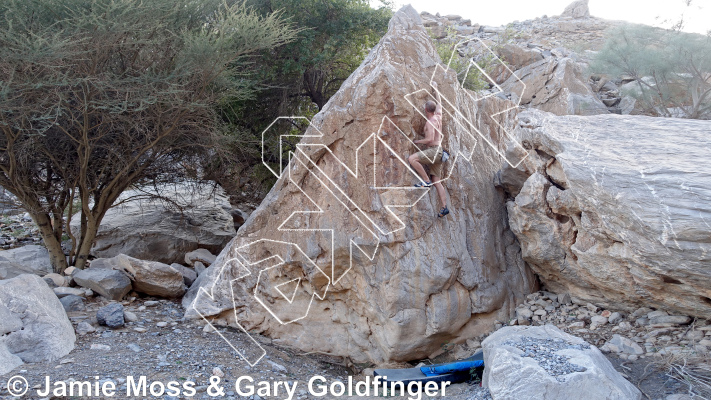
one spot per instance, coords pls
(100, 95)
(299, 77)
(672, 69)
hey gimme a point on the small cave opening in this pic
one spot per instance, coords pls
(669, 279)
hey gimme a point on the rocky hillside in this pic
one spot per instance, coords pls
(546, 59)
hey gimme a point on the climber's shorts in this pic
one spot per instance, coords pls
(433, 158)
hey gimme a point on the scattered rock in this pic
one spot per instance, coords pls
(202, 255)
(84, 327)
(128, 316)
(189, 274)
(112, 284)
(277, 367)
(111, 315)
(669, 319)
(72, 303)
(614, 318)
(68, 291)
(621, 344)
(199, 267)
(134, 348)
(55, 280)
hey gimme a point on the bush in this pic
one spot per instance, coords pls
(672, 69)
(471, 77)
(100, 95)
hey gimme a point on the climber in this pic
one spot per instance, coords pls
(432, 155)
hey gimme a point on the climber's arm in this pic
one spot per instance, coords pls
(439, 99)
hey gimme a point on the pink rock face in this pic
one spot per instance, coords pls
(344, 256)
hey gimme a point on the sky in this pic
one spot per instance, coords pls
(697, 16)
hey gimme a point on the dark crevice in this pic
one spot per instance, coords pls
(669, 279)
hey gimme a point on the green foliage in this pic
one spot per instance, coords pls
(672, 69)
(468, 74)
(300, 77)
(99, 95)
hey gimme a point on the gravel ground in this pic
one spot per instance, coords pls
(163, 347)
(543, 351)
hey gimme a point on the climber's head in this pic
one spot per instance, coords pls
(430, 107)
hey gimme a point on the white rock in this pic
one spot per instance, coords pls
(129, 316)
(84, 327)
(152, 229)
(614, 318)
(55, 280)
(202, 255)
(612, 226)
(33, 323)
(277, 367)
(66, 291)
(30, 259)
(508, 375)
(622, 344)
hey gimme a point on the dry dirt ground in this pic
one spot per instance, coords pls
(162, 347)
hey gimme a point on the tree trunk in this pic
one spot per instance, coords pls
(88, 236)
(53, 243)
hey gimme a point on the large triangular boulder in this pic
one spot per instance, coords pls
(344, 256)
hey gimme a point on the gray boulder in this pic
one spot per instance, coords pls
(153, 229)
(107, 282)
(149, 277)
(72, 303)
(189, 274)
(543, 362)
(577, 9)
(111, 315)
(202, 255)
(557, 85)
(30, 259)
(33, 324)
(66, 291)
(610, 199)
(8, 361)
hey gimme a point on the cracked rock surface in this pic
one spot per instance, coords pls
(615, 210)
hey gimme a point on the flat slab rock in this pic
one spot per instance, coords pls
(608, 199)
(543, 362)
